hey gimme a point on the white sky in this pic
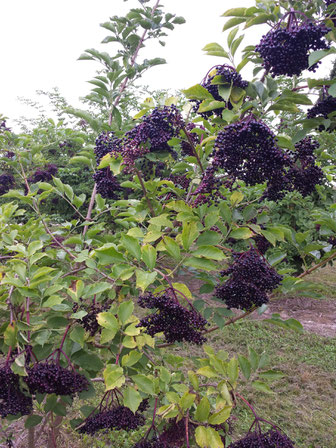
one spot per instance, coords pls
(41, 41)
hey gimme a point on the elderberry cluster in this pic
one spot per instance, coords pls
(171, 318)
(12, 400)
(186, 148)
(250, 279)
(51, 378)
(262, 243)
(208, 190)
(303, 174)
(152, 134)
(269, 439)
(322, 108)
(89, 321)
(107, 143)
(43, 175)
(332, 241)
(228, 76)
(6, 183)
(108, 185)
(174, 434)
(117, 418)
(285, 51)
(247, 150)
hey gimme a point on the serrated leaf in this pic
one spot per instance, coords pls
(145, 383)
(144, 279)
(262, 387)
(172, 247)
(149, 255)
(220, 417)
(125, 311)
(197, 92)
(243, 233)
(113, 376)
(245, 366)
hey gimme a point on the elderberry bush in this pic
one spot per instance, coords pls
(229, 76)
(117, 418)
(270, 439)
(12, 400)
(285, 51)
(51, 378)
(247, 150)
(208, 190)
(152, 134)
(250, 279)
(171, 318)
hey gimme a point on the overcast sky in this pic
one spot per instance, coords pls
(41, 41)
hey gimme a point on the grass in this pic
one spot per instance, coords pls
(324, 281)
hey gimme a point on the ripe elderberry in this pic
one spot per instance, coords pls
(152, 134)
(12, 400)
(322, 108)
(108, 185)
(270, 439)
(285, 51)
(89, 321)
(171, 318)
(247, 150)
(153, 443)
(117, 418)
(250, 279)
(107, 143)
(51, 378)
(43, 175)
(6, 183)
(228, 76)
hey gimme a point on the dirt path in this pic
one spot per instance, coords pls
(317, 316)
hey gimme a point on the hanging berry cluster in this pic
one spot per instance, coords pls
(171, 318)
(285, 51)
(251, 278)
(228, 76)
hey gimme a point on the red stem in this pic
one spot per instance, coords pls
(62, 342)
(153, 419)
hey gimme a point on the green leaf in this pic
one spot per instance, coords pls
(113, 376)
(243, 233)
(259, 19)
(209, 252)
(203, 410)
(131, 358)
(236, 44)
(172, 247)
(272, 375)
(201, 263)
(189, 234)
(132, 398)
(33, 420)
(132, 245)
(233, 22)
(220, 417)
(209, 237)
(208, 372)
(215, 49)
(232, 35)
(232, 370)
(89, 361)
(208, 105)
(236, 12)
(262, 387)
(144, 279)
(145, 383)
(10, 335)
(254, 359)
(108, 254)
(197, 92)
(202, 436)
(77, 335)
(108, 321)
(149, 255)
(245, 366)
(125, 311)
(187, 401)
(214, 439)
